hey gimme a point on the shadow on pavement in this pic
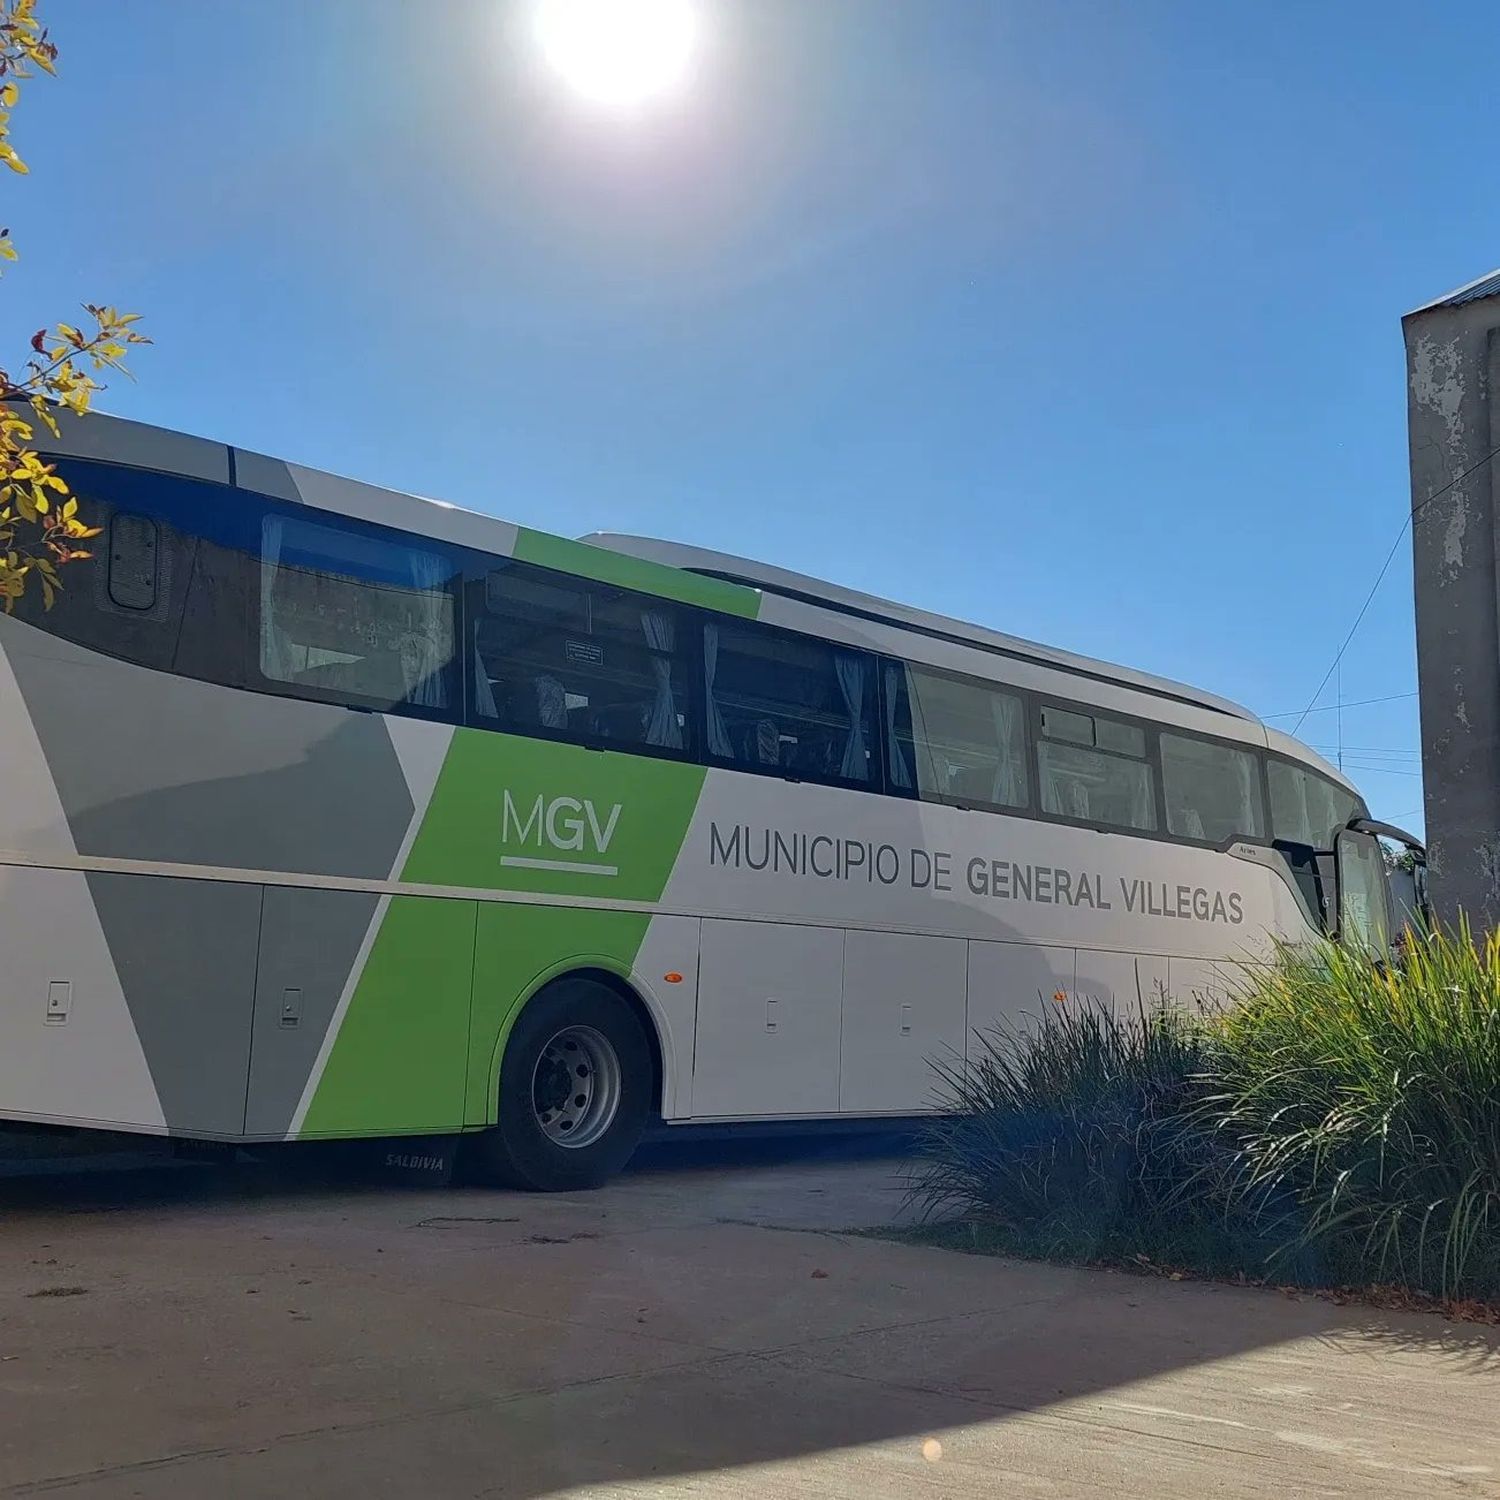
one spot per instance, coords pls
(136, 1172)
(285, 1322)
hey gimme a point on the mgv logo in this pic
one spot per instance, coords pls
(566, 825)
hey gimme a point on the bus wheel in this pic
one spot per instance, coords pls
(575, 1091)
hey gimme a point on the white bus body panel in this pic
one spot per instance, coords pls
(905, 1009)
(1011, 985)
(769, 1004)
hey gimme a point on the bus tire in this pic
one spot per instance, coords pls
(574, 1093)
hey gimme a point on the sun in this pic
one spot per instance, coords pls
(620, 54)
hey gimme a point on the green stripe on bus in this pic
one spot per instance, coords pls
(510, 813)
(398, 1061)
(419, 1045)
(626, 572)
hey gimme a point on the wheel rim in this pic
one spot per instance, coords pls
(575, 1087)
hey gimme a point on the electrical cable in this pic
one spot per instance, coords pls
(1416, 510)
(1329, 708)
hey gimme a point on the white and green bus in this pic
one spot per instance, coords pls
(334, 812)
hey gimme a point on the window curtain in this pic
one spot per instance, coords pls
(662, 727)
(1142, 803)
(850, 671)
(1249, 783)
(1010, 740)
(484, 694)
(718, 731)
(1061, 789)
(1324, 815)
(551, 702)
(1077, 799)
(278, 656)
(895, 750)
(426, 645)
(1302, 810)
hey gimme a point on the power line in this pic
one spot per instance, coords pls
(1416, 510)
(1394, 763)
(1329, 708)
(1384, 751)
(1379, 579)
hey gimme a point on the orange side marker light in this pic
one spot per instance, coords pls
(672, 977)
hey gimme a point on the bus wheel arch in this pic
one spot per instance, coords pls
(650, 1021)
(579, 1074)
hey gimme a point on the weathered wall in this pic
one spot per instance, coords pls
(1453, 369)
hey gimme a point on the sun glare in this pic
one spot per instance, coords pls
(621, 54)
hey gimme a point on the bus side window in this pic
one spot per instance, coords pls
(966, 740)
(788, 702)
(354, 617)
(1212, 791)
(570, 658)
(1095, 770)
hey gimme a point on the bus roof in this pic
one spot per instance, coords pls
(902, 616)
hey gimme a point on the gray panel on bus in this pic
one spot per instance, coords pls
(309, 940)
(184, 952)
(155, 767)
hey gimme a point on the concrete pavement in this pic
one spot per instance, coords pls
(698, 1328)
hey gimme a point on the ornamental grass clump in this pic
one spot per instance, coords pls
(1076, 1133)
(1361, 1102)
(1337, 1125)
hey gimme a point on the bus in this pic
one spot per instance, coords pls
(332, 812)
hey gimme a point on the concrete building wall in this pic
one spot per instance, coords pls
(1453, 377)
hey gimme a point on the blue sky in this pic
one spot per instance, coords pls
(1080, 320)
